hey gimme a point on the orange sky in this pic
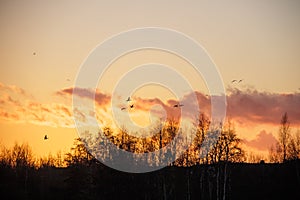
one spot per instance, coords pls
(254, 41)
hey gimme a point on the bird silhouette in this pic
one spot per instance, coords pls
(128, 99)
(233, 81)
(46, 137)
(123, 108)
(34, 53)
(241, 80)
(68, 79)
(178, 105)
(131, 106)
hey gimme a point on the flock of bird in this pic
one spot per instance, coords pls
(132, 105)
(129, 99)
(238, 81)
(178, 105)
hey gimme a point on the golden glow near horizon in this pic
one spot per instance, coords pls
(43, 45)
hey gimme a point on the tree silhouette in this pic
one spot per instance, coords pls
(219, 175)
(81, 178)
(79, 154)
(294, 146)
(284, 135)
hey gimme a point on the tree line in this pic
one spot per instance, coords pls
(227, 147)
(287, 147)
(216, 175)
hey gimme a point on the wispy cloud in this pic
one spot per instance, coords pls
(9, 116)
(18, 106)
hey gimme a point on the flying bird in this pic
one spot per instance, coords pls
(68, 79)
(128, 99)
(34, 53)
(46, 137)
(131, 106)
(241, 80)
(123, 108)
(178, 105)
(233, 81)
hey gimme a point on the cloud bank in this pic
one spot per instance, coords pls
(247, 107)
(254, 107)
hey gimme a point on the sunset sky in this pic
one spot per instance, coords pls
(44, 43)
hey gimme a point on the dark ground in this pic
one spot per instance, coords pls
(242, 181)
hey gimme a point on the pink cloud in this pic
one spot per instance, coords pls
(248, 107)
(252, 106)
(9, 116)
(202, 104)
(263, 141)
(101, 98)
(18, 106)
(146, 105)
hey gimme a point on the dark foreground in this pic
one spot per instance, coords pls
(221, 181)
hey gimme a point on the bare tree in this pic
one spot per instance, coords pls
(79, 154)
(19, 156)
(293, 146)
(227, 147)
(275, 153)
(46, 161)
(255, 157)
(284, 135)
